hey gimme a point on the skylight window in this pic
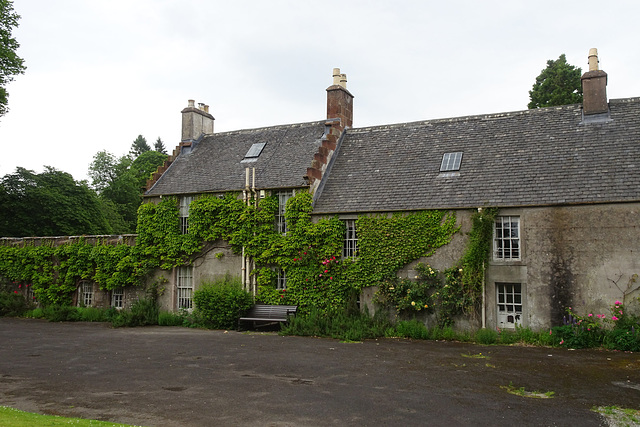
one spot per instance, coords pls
(451, 162)
(254, 152)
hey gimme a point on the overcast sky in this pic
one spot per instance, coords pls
(101, 72)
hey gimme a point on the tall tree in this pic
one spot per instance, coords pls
(51, 203)
(159, 146)
(120, 181)
(558, 84)
(139, 146)
(106, 168)
(10, 63)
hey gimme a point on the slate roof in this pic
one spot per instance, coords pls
(214, 165)
(526, 158)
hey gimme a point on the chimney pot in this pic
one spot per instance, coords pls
(192, 103)
(336, 76)
(593, 59)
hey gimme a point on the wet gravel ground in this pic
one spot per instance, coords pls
(170, 376)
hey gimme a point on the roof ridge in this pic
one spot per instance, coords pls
(285, 126)
(486, 116)
(476, 117)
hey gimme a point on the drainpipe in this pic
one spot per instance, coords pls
(252, 266)
(246, 199)
(484, 300)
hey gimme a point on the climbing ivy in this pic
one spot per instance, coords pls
(457, 290)
(309, 253)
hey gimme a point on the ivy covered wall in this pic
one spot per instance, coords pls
(309, 253)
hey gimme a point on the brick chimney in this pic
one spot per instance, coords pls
(196, 121)
(339, 118)
(340, 100)
(594, 87)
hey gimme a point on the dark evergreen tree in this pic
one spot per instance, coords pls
(139, 146)
(159, 146)
(558, 84)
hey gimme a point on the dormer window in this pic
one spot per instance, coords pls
(254, 152)
(451, 162)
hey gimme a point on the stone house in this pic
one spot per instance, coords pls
(566, 181)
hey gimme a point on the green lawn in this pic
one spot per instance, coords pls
(10, 417)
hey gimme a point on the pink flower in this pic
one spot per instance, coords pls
(15, 292)
(320, 275)
(614, 318)
(330, 278)
(326, 271)
(19, 286)
(618, 302)
(590, 314)
(561, 342)
(550, 332)
(620, 311)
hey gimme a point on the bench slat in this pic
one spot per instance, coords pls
(268, 313)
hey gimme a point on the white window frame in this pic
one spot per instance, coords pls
(350, 243)
(281, 279)
(509, 305)
(85, 293)
(117, 298)
(185, 202)
(281, 221)
(506, 238)
(184, 287)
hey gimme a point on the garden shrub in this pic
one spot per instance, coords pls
(221, 303)
(143, 312)
(412, 329)
(12, 304)
(486, 336)
(61, 313)
(166, 318)
(624, 340)
(343, 325)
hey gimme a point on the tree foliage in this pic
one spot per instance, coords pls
(139, 146)
(10, 63)
(120, 181)
(159, 146)
(558, 84)
(51, 203)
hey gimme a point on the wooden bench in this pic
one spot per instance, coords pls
(264, 314)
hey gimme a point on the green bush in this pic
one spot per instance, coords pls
(166, 318)
(342, 325)
(61, 313)
(623, 339)
(143, 312)
(412, 329)
(36, 313)
(93, 314)
(12, 304)
(221, 303)
(486, 336)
